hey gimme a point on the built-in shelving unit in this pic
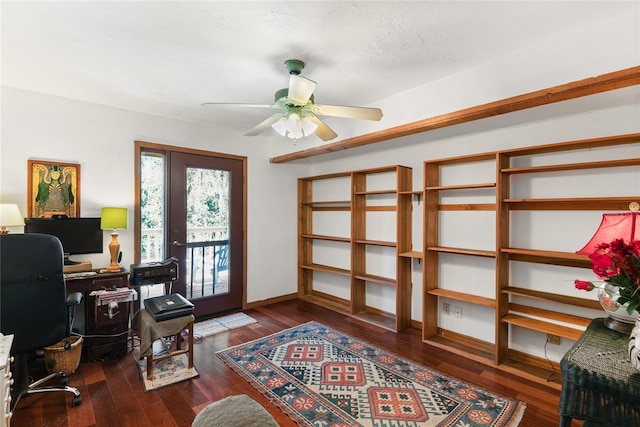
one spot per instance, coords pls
(307, 266)
(514, 306)
(440, 198)
(375, 196)
(485, 192)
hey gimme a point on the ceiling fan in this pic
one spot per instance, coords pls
(299, 115)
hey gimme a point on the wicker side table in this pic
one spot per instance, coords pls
(599, 385)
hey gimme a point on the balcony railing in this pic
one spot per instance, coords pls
(207, 263)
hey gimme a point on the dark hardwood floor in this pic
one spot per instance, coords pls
(112, 393)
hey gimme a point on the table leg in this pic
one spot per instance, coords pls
(191, 345)
(150, 367)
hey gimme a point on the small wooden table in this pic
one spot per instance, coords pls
(599, 385)
(148, 330)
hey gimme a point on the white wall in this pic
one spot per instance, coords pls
(101, 139)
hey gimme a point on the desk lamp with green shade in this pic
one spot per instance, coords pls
(114, 219)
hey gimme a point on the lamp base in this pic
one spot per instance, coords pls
(113, 268)
(114, 250)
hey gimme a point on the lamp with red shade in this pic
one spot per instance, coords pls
(625, 226)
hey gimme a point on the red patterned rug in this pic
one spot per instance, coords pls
(323, 377)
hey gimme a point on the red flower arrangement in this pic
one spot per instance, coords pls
(618, 264)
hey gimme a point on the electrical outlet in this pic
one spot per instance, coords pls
(458, 312)
(445, 308)
(553, 339)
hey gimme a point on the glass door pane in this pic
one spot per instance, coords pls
(207, 232)
(152, 215)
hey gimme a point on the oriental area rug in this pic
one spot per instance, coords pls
(322, 377)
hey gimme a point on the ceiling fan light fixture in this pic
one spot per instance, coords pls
(294, 127)
(300, 89)
(281, 126)
(308, 127)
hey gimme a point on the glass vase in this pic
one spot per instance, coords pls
(618, 318)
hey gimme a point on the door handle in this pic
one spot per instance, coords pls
(176, 243)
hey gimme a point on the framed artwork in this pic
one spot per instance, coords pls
(53, 189)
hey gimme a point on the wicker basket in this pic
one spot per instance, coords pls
(57, 359)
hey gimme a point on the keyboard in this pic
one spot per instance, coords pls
(79, 274)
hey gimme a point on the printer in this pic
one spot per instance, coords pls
(151, 273)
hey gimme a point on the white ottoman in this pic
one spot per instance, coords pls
(234, 411)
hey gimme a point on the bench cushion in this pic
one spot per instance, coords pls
(234, 411)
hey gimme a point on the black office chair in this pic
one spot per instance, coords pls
(34, 306)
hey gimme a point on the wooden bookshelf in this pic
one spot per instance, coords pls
(514, 306)
(367, 198)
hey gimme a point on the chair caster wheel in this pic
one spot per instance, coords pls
(77, 400)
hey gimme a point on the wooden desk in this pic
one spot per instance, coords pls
(599, 385)
(106, 334)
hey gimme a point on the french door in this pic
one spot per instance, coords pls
(192, 207)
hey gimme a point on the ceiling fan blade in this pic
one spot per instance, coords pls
(232, 104)
(264, 125)
(300, 89)
(349, 112)
(323, 131)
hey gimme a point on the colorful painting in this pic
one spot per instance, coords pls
(53, 189)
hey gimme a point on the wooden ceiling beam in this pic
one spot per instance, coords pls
(589, 86)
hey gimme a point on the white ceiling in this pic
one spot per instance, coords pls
(167, 57)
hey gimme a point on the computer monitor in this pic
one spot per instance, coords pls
(77, 235)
